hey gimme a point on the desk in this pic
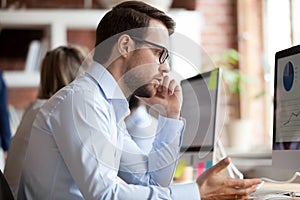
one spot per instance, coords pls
(290, 186)
(294, 187)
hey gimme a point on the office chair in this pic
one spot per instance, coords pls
(5, 192)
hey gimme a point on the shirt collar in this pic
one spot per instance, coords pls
(111, 89)
(106, 81)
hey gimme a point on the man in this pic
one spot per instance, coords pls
(79, 144)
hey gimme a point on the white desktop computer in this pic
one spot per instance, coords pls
(286, 123)
(286, 126)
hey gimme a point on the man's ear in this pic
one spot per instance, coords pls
(125, 45)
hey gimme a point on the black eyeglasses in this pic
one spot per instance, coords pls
(164, 53)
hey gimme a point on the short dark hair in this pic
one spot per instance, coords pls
(125, 17)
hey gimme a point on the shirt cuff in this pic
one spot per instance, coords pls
(185, 191)
(168, 125)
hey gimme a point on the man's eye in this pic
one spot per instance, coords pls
(158, 52)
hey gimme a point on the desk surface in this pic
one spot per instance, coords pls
(293, 187)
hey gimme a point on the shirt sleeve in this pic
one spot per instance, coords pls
(157, 167)
(185, 191)
(92, 150)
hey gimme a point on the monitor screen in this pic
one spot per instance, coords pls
(199, 110)
(286, 126)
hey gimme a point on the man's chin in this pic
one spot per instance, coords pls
(147, 91)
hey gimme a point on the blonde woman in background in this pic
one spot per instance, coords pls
(59, 67)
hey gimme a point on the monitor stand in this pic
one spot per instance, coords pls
(219, 154)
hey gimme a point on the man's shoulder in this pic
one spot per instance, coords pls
(81, 90)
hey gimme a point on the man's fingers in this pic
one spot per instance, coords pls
(245, 191)
(165, 85)
(243, 183)
(234, 194)
(237, 193)
(219, 166)
(172, 86)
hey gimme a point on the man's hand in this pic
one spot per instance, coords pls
(214, 186)
(168, 98)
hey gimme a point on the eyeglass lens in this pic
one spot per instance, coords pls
(163, 56)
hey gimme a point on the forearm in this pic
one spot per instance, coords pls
(166, 148)
(157, 167)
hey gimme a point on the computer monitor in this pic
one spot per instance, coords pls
(200, 102)
(202, 109)
(286, 126)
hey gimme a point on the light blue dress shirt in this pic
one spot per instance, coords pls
(79, 146)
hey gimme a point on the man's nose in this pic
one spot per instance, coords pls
(165, 67)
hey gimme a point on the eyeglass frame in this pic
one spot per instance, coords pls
(164, 49)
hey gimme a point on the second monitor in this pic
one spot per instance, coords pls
(200, 105)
